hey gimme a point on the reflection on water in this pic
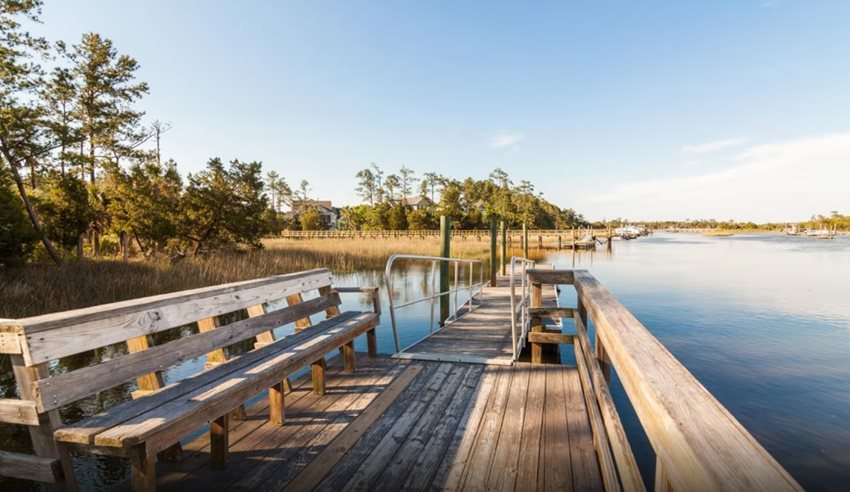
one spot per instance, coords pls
(762, 321)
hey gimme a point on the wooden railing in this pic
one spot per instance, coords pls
(699, 445)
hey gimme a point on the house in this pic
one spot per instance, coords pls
(414, 202)
(328, 214)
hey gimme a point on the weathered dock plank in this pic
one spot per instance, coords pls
(403, 425)
(482, 336)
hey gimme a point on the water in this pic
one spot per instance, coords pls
(762, 321)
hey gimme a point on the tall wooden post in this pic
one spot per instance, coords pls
(494, 254)
(504, 247)
(524, 240)
(445, 252)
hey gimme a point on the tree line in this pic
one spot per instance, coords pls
(387, 202)
(834, 220)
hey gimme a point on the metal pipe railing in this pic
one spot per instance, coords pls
(522, 306)
(473, 290)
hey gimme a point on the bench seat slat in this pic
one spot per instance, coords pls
(59, 335)
(68, 387)
(160, 427)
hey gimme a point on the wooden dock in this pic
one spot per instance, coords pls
(482, 336)
(410, 425)
(456, 411)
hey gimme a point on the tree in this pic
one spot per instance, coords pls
(379, 182)
(60, 95)
(500, 177)
(302, 195)
(146, 203)
(107, 89)
(223, 206)
(311, 220)
(367, 185)
(17, 236)
(430, 182)
(422, 219)
(66, 208)
(392, 183)
(23, 136)
(157, 129)
(272, 178)
(398, 217)
(408, 179)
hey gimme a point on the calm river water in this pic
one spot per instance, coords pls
(763, 321)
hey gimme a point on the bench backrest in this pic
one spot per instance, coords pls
(42, 339)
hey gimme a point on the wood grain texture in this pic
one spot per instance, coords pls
(13, 411)
(549, 276)
(334, 451)
(30, 467)
(10, 343)
(58, 335)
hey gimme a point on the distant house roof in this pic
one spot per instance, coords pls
(324, 206)
(414, 201)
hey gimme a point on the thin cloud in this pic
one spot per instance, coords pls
(504, 139)
(713, 146)
(773, 182)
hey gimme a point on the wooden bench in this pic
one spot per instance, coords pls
(160, 415)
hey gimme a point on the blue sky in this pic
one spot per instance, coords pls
(726, 109)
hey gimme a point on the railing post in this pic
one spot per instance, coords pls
(494, 255)
(41, 435)
(662, 482)
(536, 321)
(445, 250)
(601, 356)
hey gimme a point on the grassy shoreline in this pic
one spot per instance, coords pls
(43, 288)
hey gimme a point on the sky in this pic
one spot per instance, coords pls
(731, 109)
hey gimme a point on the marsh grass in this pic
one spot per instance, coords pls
(42, 288)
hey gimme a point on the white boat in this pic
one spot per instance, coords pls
(792, 230)
(820, 233)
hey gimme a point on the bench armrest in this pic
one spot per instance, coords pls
(376, 295)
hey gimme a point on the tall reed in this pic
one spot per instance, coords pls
(42, 288)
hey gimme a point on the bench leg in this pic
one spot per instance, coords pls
(372, 343)
(318, 369)
(172, 454)
(348, 356)
(276, 408)
(219, 441)
(143, 471)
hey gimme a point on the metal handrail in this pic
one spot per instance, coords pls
(522, 306)
(472, 290)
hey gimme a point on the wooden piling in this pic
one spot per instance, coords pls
(525, 240)
(504, 247)
(445, 250)
(494, 255)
